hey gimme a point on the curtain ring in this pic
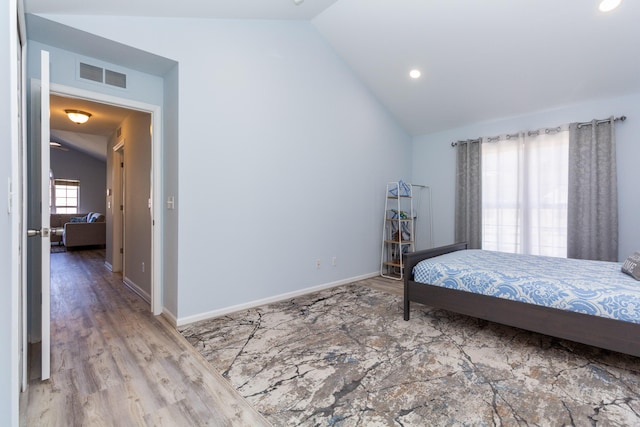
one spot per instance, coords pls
(548, 131)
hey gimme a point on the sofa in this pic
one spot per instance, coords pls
(58, 221)
(83, 230)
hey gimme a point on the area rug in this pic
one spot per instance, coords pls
(346, 357)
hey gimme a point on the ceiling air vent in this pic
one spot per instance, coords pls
(115, 79)
(91, 72)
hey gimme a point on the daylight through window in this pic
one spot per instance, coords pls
(525, 194)
(66, 195)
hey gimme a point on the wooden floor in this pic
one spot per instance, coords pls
(114, 364)
(389, 286)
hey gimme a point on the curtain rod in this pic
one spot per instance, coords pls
(471, 141)
(621, 119)
(468, 141)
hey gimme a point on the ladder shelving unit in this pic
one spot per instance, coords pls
(397, 230)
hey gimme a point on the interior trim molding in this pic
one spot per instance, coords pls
(252, 304)
(171, 318)
(137, 289)
(157, 279)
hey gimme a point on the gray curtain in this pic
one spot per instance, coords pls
(468, 221)
(592, 226)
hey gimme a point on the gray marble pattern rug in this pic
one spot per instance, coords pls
(346, 357)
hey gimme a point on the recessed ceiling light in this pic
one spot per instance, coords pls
(609, 5)
(414, 74)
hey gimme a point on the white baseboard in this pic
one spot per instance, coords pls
(171, 318)
(137, 289)
(108, 266)
(220, 312)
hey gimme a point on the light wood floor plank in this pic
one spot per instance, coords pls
(383, 284)
(114, 364)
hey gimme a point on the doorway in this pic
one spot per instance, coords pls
(37, 301)
(150, 266)
(110, 180)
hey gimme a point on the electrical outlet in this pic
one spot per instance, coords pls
(143, 267)
(318, 264)
(334, 261)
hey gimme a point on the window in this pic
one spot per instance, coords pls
(525, 193)
(66, 195)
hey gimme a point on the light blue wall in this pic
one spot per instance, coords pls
(289, 168)
(283, 157)
(141, 87)
(9, 302)
(434, 160)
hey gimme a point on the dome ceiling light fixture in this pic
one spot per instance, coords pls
(78, 116)
(609, 5)
(298, 2)
(415, 73)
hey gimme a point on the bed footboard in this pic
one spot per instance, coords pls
(414, 258)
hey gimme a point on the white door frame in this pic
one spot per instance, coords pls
(117, 219)
(17, 206)
(156, 176)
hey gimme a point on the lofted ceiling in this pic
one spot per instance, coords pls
(91, 137)
(104, 118)
(480, 60)
(217, 9)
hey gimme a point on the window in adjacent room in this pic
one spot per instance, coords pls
(66, 195)
(525, 193)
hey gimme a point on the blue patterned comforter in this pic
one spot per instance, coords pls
(593, 287)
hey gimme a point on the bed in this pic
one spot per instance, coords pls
(571, 322)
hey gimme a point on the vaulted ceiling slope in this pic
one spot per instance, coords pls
(480, 60)
(215, 9)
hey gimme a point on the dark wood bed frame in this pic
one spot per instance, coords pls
(616, 335)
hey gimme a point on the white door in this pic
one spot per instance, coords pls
(45, 167)
(43, 232)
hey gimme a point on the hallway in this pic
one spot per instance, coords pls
(113, 363)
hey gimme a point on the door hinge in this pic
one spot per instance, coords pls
(121, 250)
(121, 164)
